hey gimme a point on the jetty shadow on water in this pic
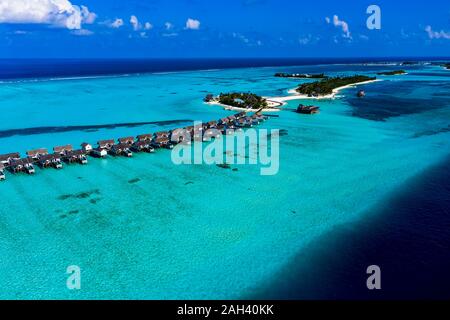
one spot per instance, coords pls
(407, 237)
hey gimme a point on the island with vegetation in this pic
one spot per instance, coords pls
(300, 75)
(446, 66)
(328, 85)
(391, 73)
(243, 100)
(239, 100)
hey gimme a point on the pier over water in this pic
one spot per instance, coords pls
(125, 146)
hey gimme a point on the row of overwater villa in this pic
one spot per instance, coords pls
(14, 163)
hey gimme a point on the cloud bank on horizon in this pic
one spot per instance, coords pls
(256, 27)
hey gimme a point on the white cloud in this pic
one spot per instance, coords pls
(58, 13)
(192, 24)
(88, 17)
(148, 26)
(305, 40)
(116, 23)
(437, 34)
(82, 32)
(340, 24)
(168, 26)
(135, 23)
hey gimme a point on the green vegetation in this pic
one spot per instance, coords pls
(326, 86)
(392, 73)
(242, 100)
(209, 97)
(298, 75)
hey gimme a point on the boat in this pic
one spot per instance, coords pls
(361, 94)
(307, 109)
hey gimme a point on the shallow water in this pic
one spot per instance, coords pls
(145, 228)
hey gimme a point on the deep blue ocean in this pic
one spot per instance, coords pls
(43, 68)
(407, 234)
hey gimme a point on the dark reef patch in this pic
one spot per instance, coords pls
(385, 103)
(87, 128)
(135, 180)
(432, 132)
(81, 195)
(95, 200)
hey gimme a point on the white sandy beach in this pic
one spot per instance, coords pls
(294, 95)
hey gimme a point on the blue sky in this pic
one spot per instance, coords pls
(217, 28)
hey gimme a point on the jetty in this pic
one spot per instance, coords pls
(125, 146)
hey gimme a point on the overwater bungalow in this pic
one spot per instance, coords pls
(103, 147)
(255, 119)
(211, 133)
(126, 140)
(260, 116)
(62, 150)
(36, 154)
(221, 128)
(50, 160)
(224, 121)
(162, 142)
(121, 149)
(22, 165)
(5, 159)
(86, 147)
(211, 125)
(2, 171)
(142, 146)
(106, 144)
(240, 114)
(243, 123)
(198, 135)
(250, 121)
(76, 156)
(181, 135)
(162, 134)
(145, 137)
(99, 152)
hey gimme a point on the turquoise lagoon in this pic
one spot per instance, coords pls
(144, 228)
